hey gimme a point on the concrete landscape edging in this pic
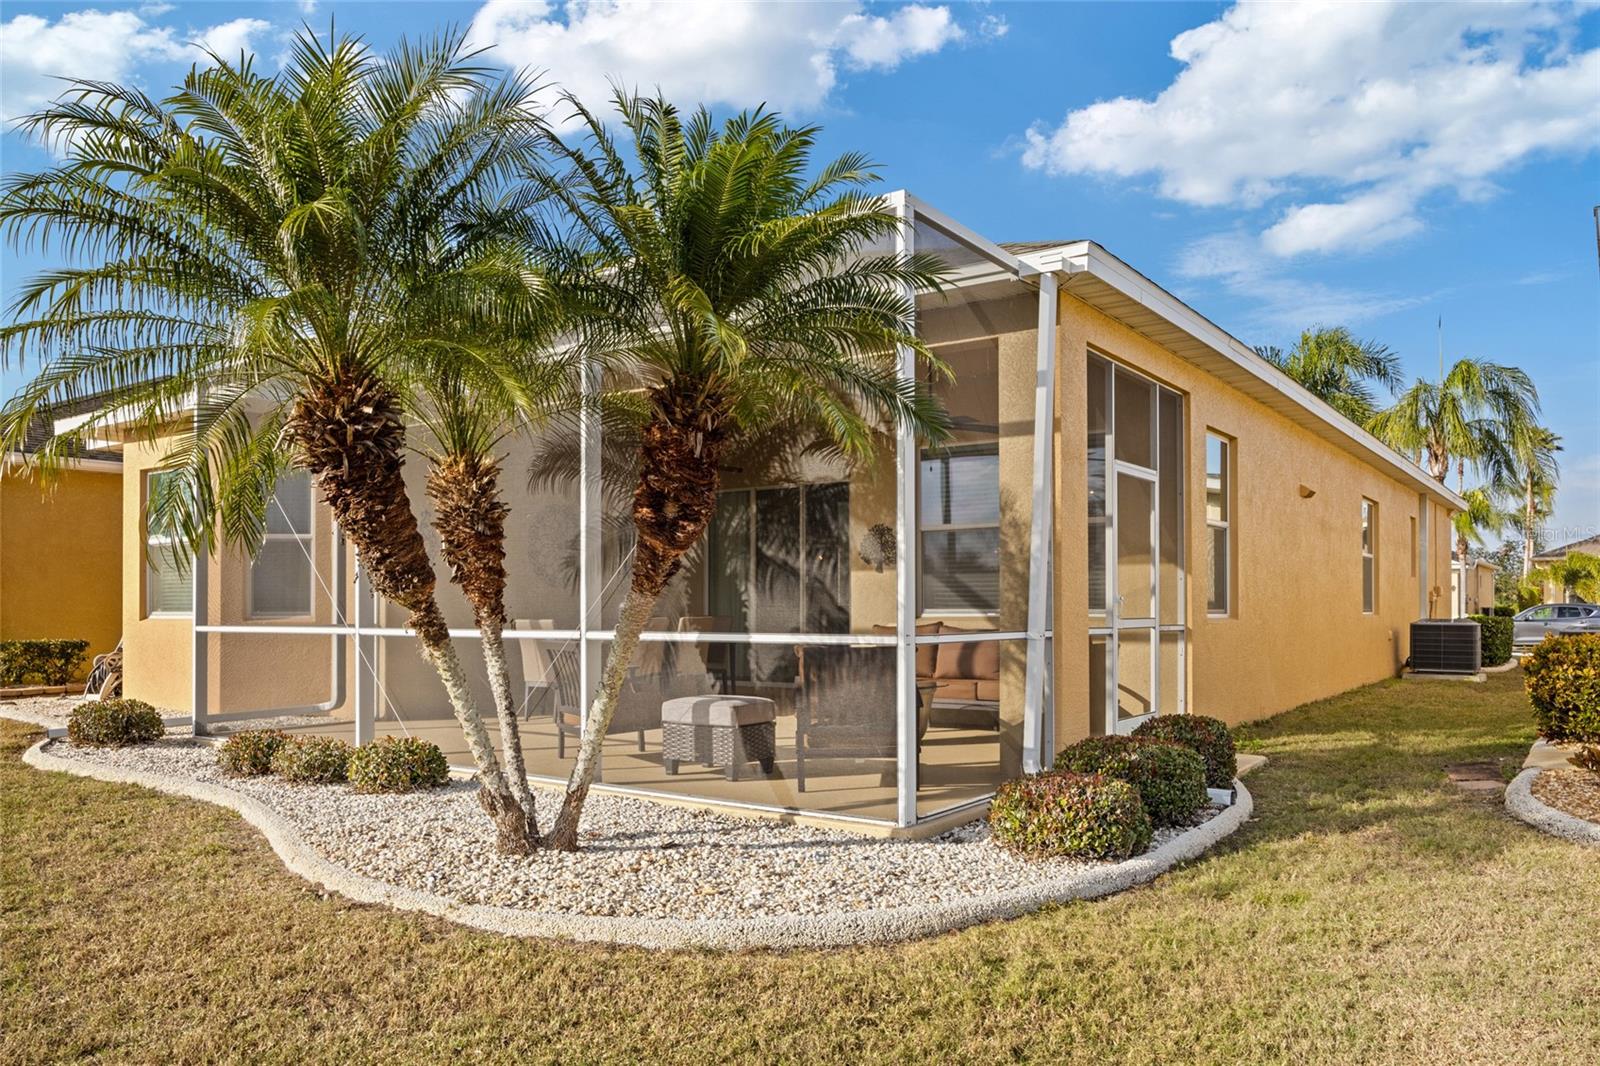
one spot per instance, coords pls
(797, 931)
(1523, 804)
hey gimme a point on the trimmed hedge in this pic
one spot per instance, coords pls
(1171, 778)
(250, 753)
(1501, 611)
(1494, 635)
(1563, 678)
(1208, 736)
(114, 723)
(397, 764)
(312, 760)
(1083, 816)
(47, 662)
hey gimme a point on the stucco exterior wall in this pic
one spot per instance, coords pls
(1296, 630)
(61, 558)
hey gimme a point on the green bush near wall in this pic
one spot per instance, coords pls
(1563, 677)
(1494, 637)
(40, 662)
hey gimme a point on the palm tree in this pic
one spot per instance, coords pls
(1338, 368)
(735, 293)
(1471, 418)
(276, 252)
(1532, 475)
(1483, 516)
(1576, 575)
(468, 407)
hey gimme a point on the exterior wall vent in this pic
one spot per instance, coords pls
(1445, 647)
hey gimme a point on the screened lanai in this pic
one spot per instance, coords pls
(894, 611)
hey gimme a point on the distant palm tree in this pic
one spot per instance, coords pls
(735, 290)
(276, 254)
(1470, 418)
(1576, 575)
(1531, 477)
(1338, 368)
(1482, 518)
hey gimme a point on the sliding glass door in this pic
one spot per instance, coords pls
(1136, 565)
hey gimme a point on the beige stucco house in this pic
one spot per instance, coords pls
(1552, 591)
(1137, 516)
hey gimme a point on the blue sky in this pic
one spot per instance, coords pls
(1375, 165)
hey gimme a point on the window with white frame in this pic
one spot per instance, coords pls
(1369, 556)
(960, 530)
(280, 576)
(168, 577)
(1219, 523)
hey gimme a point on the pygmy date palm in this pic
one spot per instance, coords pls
(733, 289)
(271, 254)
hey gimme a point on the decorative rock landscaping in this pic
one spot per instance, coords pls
(648, 874)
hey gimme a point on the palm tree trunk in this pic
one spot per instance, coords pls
(672, 507)
(636, 608)
(470, 518)
(350, 438)
(1527, 532)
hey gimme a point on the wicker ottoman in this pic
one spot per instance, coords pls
(726, 731)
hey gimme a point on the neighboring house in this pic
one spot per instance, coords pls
(1475, 593)
(1197, 533)
(60, 548)
(1554, 593)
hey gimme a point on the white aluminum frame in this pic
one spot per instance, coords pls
(1369, 552)
(1115, 624)
(592, 635)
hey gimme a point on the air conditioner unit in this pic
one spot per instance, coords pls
(1445, 647)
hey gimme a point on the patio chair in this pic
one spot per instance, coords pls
(536, 667)
(105, 675)
(846, 705)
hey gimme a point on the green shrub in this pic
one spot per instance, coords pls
(1563, 677)
(1208, 736)
(312, 760)
(1501, 611)
(397, 764)
(249, 754)
(1494, 635)
(40, 662)
(1171, 778)
(114, 723)
(1055, 813)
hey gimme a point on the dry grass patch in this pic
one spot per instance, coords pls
(1370, 913)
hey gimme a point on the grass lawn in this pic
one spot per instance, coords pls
(1371, 912)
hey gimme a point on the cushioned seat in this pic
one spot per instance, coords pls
(719, 710)
(719, 730)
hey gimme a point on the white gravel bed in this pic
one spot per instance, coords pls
(48, 711)
(279, 721)
(648, 873)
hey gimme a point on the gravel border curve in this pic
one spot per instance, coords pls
(1523, 804)
(797, 931)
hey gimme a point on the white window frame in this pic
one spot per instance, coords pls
(1369, 555)
(1224, 524)
(923, 529)
(307, 542)
(152, 576)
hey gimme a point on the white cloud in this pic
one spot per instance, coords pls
(231, 38)
(1351, 113)
(308, 7)
(1279, 302)
(739, 54)
(36, 53)
(872, 42)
